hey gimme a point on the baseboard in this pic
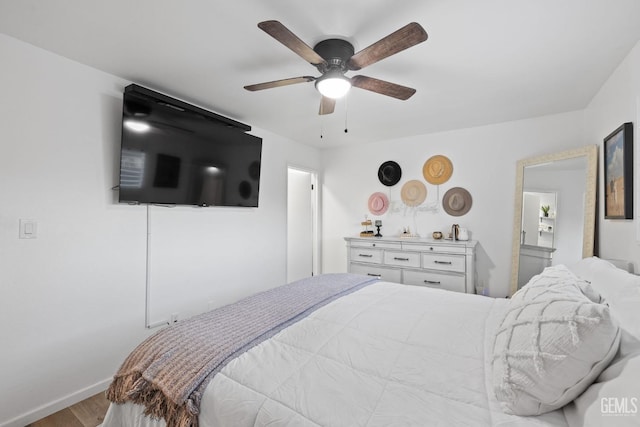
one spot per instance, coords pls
(56, 405)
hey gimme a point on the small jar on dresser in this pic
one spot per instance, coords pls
(443, 264)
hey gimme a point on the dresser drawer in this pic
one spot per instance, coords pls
(374, 243)
(450, 249)
(366, 255)
(443, 262)
(402, 259)
(386, 274)
(449, 282)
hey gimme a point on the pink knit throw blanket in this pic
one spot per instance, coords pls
(168, 372)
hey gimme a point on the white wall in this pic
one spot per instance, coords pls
(617, 102)
(72, 300)
(484, 162)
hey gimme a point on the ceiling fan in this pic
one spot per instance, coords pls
(334, 57)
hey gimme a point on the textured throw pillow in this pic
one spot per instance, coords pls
(589, 292)
(551, 345)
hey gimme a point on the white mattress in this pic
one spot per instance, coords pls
(385, 355)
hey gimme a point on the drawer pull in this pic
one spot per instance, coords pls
(374, 275)
(400, 259)
(366, 255)
(443, 262)
(431, 282)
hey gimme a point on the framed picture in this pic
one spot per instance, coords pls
(618, 173)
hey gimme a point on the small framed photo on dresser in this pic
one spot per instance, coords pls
(618, 173)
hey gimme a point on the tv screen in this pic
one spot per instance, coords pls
(178, 154)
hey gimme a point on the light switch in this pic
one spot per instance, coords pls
(28, 229)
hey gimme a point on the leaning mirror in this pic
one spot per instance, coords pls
(555, 211)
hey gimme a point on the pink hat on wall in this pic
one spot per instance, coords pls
(378, 203)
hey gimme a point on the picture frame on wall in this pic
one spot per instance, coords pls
(618, 173)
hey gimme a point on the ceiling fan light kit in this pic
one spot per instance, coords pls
(333, 85)
(334, 57)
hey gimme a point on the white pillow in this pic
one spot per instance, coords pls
(586, 267)
(618, 384)
(619, 289)
(612, 400)
(552, 344)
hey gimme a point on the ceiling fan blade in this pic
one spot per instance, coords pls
(327, 105)
(382, 87)
(407, 36)
(281, 33)
(279, 83)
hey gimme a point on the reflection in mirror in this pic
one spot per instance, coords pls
(538, 217)
(554, 212)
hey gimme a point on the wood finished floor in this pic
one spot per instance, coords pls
(88, 413)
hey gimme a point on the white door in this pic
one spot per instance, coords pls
(301, 211)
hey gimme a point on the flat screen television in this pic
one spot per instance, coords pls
(174, 153)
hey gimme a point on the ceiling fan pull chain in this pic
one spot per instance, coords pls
(346, 114)
(321, 127)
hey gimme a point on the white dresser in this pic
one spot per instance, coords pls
(443, 264)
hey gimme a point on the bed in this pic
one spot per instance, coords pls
(383, 354)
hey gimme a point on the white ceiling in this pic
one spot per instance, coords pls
(485, 61)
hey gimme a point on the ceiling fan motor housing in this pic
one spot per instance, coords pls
(336, 53)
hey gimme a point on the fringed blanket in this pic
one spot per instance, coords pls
(169, 371)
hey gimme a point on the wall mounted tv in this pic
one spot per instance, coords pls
(175, 153)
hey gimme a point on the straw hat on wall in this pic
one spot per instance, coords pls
(437, 170)
(413, 193)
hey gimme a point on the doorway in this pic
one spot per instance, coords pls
(302, 223)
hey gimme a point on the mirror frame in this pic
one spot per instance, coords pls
(588, 232)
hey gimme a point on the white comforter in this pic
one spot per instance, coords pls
(385, 355)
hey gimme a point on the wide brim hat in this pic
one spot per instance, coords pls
(457, 201)
(413, 193)
(389, 173)
(378, 203)
(437, 169)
